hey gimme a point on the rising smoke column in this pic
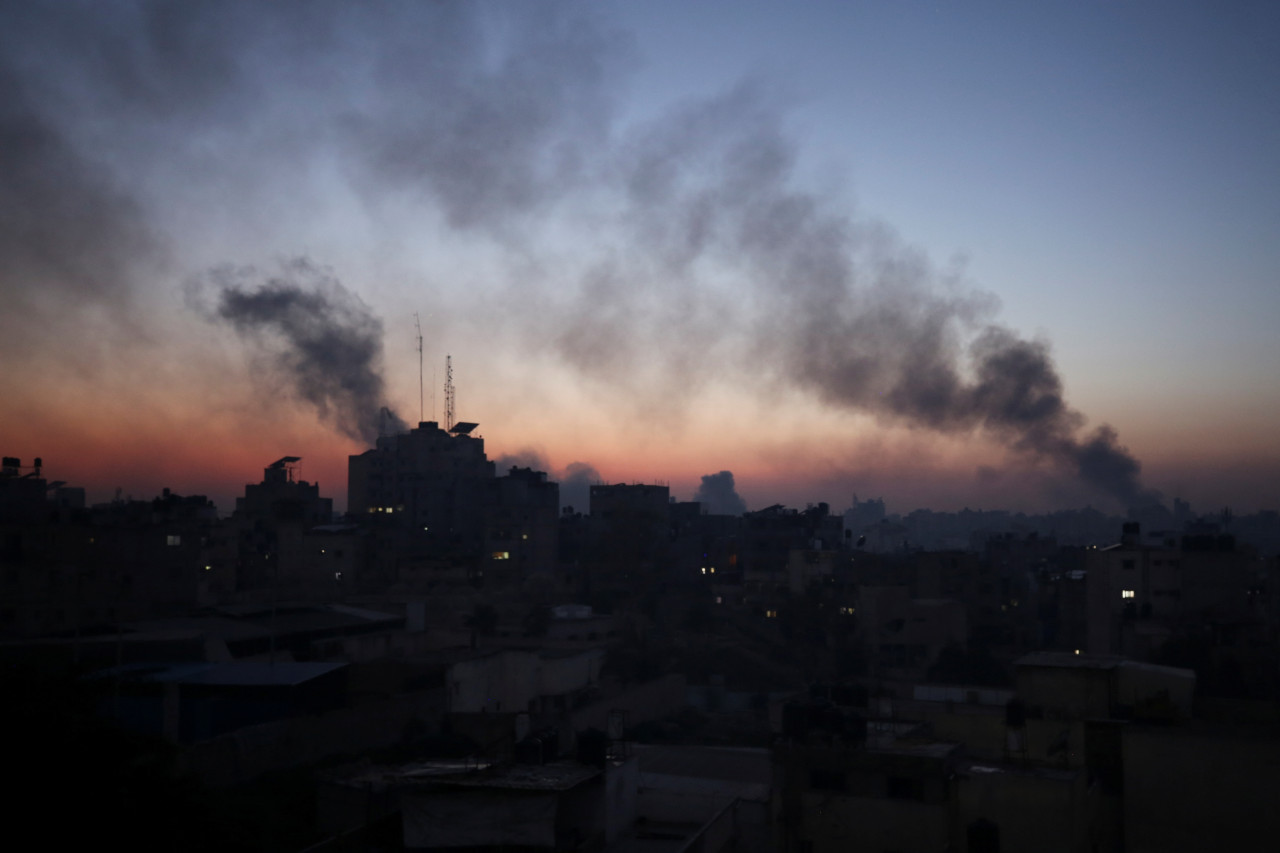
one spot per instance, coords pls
(318, 335)
(720, 494)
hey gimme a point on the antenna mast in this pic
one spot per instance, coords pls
(448, 392)
(418, 325)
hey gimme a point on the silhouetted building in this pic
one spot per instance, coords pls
(522, 524)
(270, 523)
(430, 486)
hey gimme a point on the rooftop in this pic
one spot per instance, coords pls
(554, 776)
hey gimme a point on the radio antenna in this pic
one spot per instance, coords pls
(448, 392)
(418, 325)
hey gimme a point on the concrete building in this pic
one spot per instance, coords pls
(905, 633)
(428, 484)
(771, 534)
(627, 544)
(1146, 589)
(270, 522)
(513, 681)
(522, 525)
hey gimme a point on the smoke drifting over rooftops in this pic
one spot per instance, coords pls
(707, 260)
(575, 479)
(316, 334)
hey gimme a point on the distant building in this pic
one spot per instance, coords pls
(280, 497)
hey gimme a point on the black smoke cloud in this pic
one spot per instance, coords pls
(707, 259)
(316, 334)
(829, 304)
(720, 495)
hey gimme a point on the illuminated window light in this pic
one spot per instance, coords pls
(502, 555)
(1127, 593)
(771, 614)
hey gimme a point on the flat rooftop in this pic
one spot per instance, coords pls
(553, 776)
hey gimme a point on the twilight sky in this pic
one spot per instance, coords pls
(994, 255)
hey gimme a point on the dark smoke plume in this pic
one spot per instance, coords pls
(825, 303)
(70, 236)
(320, 336)
(720, 495)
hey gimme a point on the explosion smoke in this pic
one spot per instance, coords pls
(321, 337)
(720, 495)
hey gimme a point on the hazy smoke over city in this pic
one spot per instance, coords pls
(708, 260)
(575, 479)
(320, 337)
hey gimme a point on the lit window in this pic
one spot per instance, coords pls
(771, 614)
(719, 599)
(502, 555)
(1126, 593)
(208, 568)
(524, 535)
(172, 540)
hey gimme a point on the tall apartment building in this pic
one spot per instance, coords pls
(428, 481)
